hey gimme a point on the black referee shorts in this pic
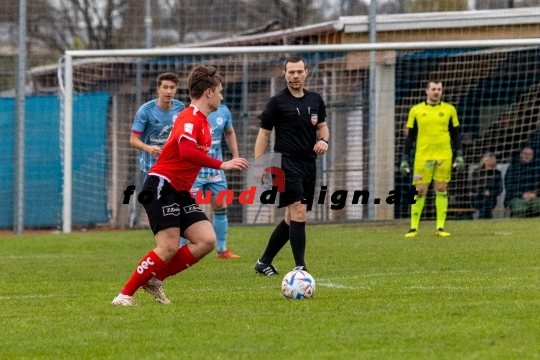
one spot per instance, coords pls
(300, 177)
(172, 208)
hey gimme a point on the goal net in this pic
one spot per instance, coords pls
(494, 89)
(496, 94)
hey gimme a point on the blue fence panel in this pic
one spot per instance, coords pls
(7, 130)
(43, 173)
(90, 156)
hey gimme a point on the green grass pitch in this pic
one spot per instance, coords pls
(474, 295)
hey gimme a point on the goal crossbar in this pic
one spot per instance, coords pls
(71, 55)
(423, 45)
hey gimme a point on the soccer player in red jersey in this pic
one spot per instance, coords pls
(166, 198)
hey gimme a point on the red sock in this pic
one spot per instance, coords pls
(149, 265)
(179, 262)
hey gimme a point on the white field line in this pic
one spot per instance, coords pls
(39, 256)
(322, 282)
(466, 287)
(20, 297)
(339, 286)
(390, 274)
(332, 283)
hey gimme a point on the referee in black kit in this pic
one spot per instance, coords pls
(299, 117)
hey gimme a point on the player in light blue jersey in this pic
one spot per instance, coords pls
(154, 120)
(214, 180)
(152, 126)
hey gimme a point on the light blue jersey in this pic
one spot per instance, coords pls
(154, 125)
(219, 120)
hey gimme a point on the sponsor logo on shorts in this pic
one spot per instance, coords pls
(173, 209)
(192, 208)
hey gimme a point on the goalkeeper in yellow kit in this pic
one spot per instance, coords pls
(433, 126)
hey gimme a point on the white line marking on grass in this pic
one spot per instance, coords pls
(339, 286)
(466, 287)
(404, 273)
(335, 286)
(46, 296)
(440, 287)
(18, 297)
(38, 256)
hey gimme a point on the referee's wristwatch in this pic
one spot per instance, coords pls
(324, 139)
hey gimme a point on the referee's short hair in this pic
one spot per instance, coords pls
(295, 59)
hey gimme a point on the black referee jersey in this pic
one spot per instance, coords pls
(295, 120)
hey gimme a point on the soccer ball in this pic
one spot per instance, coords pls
(298, 284)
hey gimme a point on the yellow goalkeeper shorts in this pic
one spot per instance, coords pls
(425, 171)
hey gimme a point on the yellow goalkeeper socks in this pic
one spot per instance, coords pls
(441, 204)
(416, 211)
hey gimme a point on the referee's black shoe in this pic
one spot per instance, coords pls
(265, 269)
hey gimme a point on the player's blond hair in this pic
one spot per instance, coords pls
(485, 158)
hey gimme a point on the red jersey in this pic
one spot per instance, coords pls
(181, 174)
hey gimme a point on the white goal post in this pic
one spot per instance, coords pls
(71, 57)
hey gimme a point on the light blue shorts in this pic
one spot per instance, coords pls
(215, 187)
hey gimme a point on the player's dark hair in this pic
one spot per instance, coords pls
(168, 76)
(201, 78)
(434, 81)
(294, 60)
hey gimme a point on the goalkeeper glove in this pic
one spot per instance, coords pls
(404, 167)
(459, 164)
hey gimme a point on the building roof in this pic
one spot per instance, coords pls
(284, 36)
(440, 20)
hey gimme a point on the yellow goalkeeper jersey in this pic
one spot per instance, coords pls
(433, 140)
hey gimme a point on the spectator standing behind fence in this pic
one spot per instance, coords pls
(486, 186)
(522, 184)
(534, 142)
(502, 137)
